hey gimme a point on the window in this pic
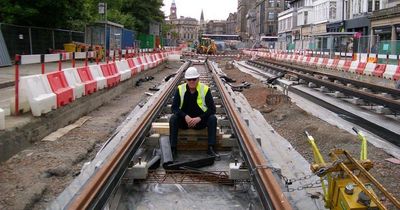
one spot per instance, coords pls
(332, 10)
(271, 15)
(377, 5)
(369, 5)
(305, 17)
(270, 29)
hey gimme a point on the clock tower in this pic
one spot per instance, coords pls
(172, 14)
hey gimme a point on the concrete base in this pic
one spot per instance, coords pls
(366, 90)
(139, 171)
(357, 101)
(312, 85)
(337, 82)
(236, 173)
(338, 94)
(324, 89)
(387, 95)
(2, 119)
(383, 110)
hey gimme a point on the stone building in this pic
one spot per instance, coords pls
(216, 27)
(267, 16)
(231, 23)
(183, 28)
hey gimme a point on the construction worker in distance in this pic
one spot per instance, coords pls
(193, 108)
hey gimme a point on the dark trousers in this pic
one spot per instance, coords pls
(177, 122)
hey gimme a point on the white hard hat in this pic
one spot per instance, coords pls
(191, 73)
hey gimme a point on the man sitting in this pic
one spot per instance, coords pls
(193, 108)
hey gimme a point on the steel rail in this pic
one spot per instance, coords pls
(393, 104)
(269, 190)
(85, 198)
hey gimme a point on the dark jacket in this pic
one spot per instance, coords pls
(190, 107)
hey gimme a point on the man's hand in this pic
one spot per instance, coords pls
(192, 122)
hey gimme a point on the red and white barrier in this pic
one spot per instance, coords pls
(124, 70)
(74, 81)
(87, 79)
(392, 72)
(36, 95)
(98, 76)
(43, 92)
(369, 68)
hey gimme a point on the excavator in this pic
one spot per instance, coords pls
(207, 46)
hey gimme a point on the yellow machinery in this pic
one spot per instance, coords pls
(207, 46)
(346, 182)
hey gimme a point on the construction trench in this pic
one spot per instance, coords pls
(272, 116)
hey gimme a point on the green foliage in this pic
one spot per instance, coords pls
(71, 14)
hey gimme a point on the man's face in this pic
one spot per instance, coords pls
(192, 83)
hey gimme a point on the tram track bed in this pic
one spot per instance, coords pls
(290, 121)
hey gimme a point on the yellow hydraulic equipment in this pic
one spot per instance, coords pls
(207, 46)
(346, 182)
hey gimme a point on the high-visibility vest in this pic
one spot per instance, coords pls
(201, 95)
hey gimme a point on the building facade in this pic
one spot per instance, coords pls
(183, 28)
(216, 27)
(231, 23)
(267, 17)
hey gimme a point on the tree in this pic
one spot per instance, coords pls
(68, 14)
(46, 13)
(144, 12)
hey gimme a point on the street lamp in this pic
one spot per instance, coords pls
(103, 9)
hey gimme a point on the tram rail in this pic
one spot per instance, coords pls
(94, 193)
(328, 81)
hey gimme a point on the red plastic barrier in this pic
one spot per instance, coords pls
(132, 66)
(380, 69)
(396, 76)
(87, 79)
(361, 67)
(59, 85)
(109, 73)
(141, 63)
(347, 65)
(335, 63)
(325, 61)
(315, 61)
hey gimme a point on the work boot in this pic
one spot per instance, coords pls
(211, 152)
(174, 152)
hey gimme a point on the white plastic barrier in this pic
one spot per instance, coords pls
(390, 71)
(304, 61)
(36, 90)
(74, 81)
(369, 68)
(340, 65)
(144, 63)
(353, 66)
(2, 119)
(319, 63)
(97, 75)
(123, 69)
(140, 67)
(149, 61)
(329, 64)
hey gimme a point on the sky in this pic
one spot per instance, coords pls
(213, 9)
